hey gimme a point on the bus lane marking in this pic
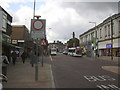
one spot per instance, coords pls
(103, 78)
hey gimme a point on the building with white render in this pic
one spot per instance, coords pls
(104, 38)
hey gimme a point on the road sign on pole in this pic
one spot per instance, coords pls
(38, 28)
(43, 43)
(37, 24)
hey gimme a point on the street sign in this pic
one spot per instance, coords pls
(43, 43)
(38, 28)
(109, 45)
(37, 24)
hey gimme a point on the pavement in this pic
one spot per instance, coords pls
(23, 75)
(114, 69)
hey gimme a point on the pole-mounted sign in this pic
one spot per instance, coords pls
(37, 24)
(38, 28)
(43, 43)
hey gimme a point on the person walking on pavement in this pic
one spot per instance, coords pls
(24, 56)
(14, 57)
(32, 58)
(5, 63)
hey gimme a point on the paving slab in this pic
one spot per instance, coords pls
(23, 76)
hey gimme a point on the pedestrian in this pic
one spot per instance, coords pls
(14, 57)
(24, 56)
(5, 63)
(32, 58)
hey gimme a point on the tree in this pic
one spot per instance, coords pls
(72, 41)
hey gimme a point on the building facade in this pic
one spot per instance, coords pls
(60, 46)
(20, 36)
(104, 38)
(5, 32)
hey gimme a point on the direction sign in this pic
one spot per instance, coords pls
(43, 43)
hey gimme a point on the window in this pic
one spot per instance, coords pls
(105, 31)
(113, 28)
(100, 33)
(4, 22)
(92, 34)
(119, 27)
(108, 30)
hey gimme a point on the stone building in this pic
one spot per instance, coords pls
(104, 38)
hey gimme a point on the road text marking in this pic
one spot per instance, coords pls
(99, 78)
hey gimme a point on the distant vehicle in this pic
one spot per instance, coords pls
(65, 52)
(53, 51)
(70, 51)
(75, 52)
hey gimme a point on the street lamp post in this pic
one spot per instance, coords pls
(111, 37)
(95, 40)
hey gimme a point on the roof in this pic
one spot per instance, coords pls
(106, 20)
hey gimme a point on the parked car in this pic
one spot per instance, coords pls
(65, 52)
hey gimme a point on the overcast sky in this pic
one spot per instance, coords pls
(62, 16)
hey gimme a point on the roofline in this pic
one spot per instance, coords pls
(113, 16)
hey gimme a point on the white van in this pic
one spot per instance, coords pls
(53, 51)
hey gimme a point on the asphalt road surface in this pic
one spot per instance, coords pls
(81, 72)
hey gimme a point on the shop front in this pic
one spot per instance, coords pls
(107, 49)
(5, 45)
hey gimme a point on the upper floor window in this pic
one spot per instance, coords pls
(100, 33)
(4, 21)
(119, 26)
(113, 28)
(105, 31)
(108, 30)
(92, 34)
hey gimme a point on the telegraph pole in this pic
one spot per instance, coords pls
(74, 39)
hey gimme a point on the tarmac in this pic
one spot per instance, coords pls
(114, 69)
(23, 75)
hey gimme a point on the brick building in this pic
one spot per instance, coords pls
(20, 36)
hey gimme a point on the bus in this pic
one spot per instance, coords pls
(77, 52)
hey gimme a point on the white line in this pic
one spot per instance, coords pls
(53, 83)
(51, 58)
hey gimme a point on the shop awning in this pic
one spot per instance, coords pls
(14, 46)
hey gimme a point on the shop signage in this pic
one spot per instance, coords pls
(109, 45)
(21, 41)
(14, 41)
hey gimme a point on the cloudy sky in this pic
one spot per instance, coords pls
(62, 16)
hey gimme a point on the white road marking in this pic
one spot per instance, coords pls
(99, 78)
(108, 87)
(51, 58)
(53, 83)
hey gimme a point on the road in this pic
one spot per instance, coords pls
(81, 72)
